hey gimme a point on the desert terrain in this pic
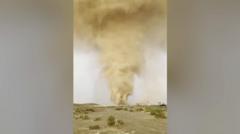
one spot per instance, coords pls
(138, 119)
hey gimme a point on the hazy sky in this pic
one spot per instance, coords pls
(150, 86)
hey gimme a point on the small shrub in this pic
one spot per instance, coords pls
(98, 119)
(152, 113)
(84, 117)
(163, 105)
(94, 127)
(131, 110)
(118, 108)
(85, 112)
(90, 110)
(125, 109)
(78, 110)
(158, 113)
(120, 122)
(111, 121)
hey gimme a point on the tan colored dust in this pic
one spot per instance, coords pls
(117, 28)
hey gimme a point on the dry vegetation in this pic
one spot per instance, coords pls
(96, 119)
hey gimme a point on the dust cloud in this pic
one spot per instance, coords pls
(117, 28)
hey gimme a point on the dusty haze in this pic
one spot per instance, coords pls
(117, 30)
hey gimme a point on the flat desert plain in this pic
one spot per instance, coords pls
(138, 119)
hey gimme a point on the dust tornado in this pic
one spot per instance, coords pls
(116, 28)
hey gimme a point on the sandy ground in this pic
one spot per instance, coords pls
(135, 121)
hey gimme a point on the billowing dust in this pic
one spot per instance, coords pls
(116, 28)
